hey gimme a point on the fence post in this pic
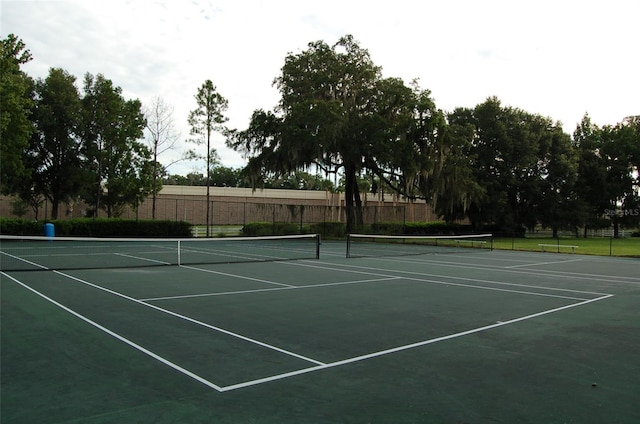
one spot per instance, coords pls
(611, 246)
(211, 215)
(404, 219)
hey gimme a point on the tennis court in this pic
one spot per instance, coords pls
(293, 331)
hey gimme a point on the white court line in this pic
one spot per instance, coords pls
(466, 279)
(544, 263)
(405, 347)
(229, 254)
(218, 251)
(190, 296)
(143, 259)
(540, 272)
(121, 338)
(514, 255)
(25, 261)
(319, 366)
(473, 286)
(230, 293)
(194, 321)
(259, 280)
(387, 277)
(583, 276)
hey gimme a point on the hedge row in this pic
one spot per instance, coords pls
(419, 228)
(339, 230)
(273, 229)
(325, 229)
(98, 227)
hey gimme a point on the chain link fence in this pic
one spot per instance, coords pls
(228, 211)
(225, 212)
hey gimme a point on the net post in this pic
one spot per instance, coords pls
(348, 245)
(178, 260)
(318, 243)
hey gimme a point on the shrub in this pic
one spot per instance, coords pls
(329, 229)
(420, 228)
(99, 227)
(273, 229)
(388, 228)
(21, 227)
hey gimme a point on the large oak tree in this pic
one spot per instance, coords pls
(523, 163)
(338, 114)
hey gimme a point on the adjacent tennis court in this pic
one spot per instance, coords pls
(280, 330)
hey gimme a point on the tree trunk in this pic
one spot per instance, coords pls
(349, 175)
(155, 184)
(616, 228)
(98, 198)
(359, 220)
(153, 203)
(208, 176)
(55, 202)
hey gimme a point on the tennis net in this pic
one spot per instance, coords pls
(18, 253)
(369, 245)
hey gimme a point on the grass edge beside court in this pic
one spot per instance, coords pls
(599, 246)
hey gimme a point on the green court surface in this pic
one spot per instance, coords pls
(478, 337)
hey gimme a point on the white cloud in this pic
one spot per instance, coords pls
(557, 58)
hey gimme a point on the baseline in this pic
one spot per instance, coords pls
(405, 347)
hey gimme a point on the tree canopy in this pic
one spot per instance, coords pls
(118, 161)
(55, 148)
(497, 166)
(608, 182)
(15, 111)
(339, 115)
(338, 118)
(67, 145)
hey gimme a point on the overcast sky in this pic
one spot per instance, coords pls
(557, 58)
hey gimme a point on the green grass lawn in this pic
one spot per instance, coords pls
(603, 246)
